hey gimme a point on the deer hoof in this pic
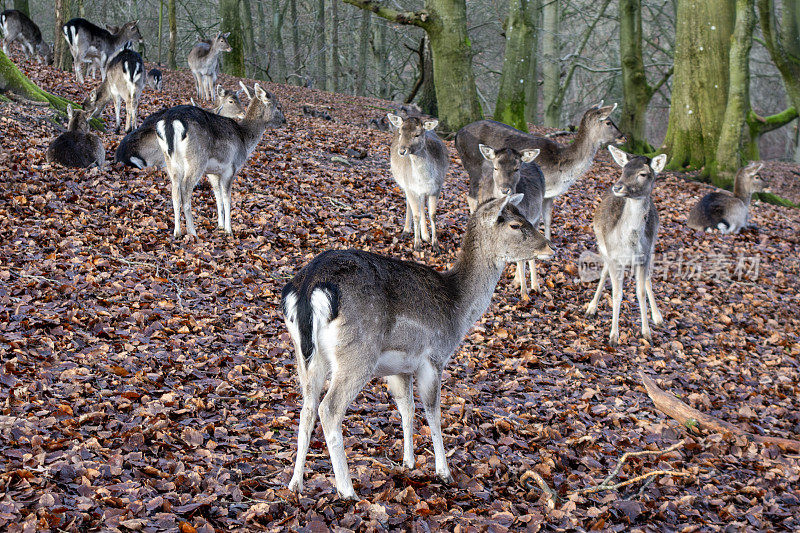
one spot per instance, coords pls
(296, 485)
(613, 339)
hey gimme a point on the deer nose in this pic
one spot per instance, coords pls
(402, 151)
(618, 189)
(506, 190)
(622, 139)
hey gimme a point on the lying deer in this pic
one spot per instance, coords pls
(727, 212)
(17, 27)
(125, 81)
(204, 63)
(512, 172)
(626, 226)
(561, 164)
(77, 147)
(92, 44)
(419, 161)
(356, 315)
(196, 142)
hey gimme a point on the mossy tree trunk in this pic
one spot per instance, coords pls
(700, 83)
(363, 58)
(532, 85)
(61, 54)
(551, 63)
(233, 61)
(173, 35)
(445, 22)
(22, 5)
(520, 35)
(248, 34)
(319, 50)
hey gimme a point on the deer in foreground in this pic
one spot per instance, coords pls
(154, 79)
(77, 147)
(626, 225)
(419, 161)
(204, 63)
(196, 142)
(16, 26)
(726, 212)
(561, 164)
(92, 44)
(356, 315)
(124, 81)
(509, 172)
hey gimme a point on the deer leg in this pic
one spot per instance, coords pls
(400, 387)
(429, 380)
(188, 183)
(226, 183)
(407, 227)
(534, 279)
(592, 309)
(345, 385)
(213, 179)
(656, 314)
(423, 223)
(117, 110)
(617, 273)
(547, 215)
(5, 46)
(432, 201)
(176, 198)
(519, 277)
(416, 207)
(76, 66)
(312, 379)
(641, 297)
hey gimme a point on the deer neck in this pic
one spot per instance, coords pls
(253, 127)
(742, 191)
(583, 148)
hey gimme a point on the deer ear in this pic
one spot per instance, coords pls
(658, 163)
(599, 105)
(395, 120)
(69, 112)
(191, 99)
(619, 156)
(226, 35)
(245, 89)
(529, 155)
(487, 152)
(261, 93)
(515, 199)
(606, 111)
(220, 89)
(430, 124)
(754, 167)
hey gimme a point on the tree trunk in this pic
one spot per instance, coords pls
(532, 86)
(319, 28)
(160, 27)
(635, 90)
(729, 155)
(173, 35)
(277, 52)
(551, 67)
(383, 61)
(233, 61)
(332, 83)
(363, 58)
(427, 94)
(700, 87)
(22, 5)
(61, 54)
(248, 35)
(13, 80)
(510, 107)
(295, 31)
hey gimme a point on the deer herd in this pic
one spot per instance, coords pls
(355, 315)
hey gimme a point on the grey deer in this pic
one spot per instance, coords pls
(89, 43)
(196, 142)
(419, 161)
(204, 63)
(355, 315)
(726, 212)
(561, 164)
(124, 82)
(154, 79)
(17, 27)
(77, 147)
(626, 226)
(509, 172)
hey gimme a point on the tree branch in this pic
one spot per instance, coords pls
(760, 125)
(654, 89)
(413, 18)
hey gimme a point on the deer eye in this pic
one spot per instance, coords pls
(515, 225)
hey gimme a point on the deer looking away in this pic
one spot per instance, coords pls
(562, 165)
(419, 161)
(17, 27)
(726, 212)
(355, 315)
(77, 147)
(626, 225)
(204, 63)
(197, 142)
(91, 44)
(512, 172)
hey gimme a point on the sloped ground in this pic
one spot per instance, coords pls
(149, 384)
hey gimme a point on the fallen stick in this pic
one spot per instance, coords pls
(691, 417)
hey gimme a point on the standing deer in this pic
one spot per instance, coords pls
(92, 44)
(204, 63)
(562, 165)
(124, 81)
(419, 161)
(626, 226)
(154, 79)
(76, 147)
(512, 172)
(16, 26)
(726, 212)
(356, 315)
(196, 142)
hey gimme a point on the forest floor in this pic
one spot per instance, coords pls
(149, 384)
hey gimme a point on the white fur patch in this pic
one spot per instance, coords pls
(138, 162)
